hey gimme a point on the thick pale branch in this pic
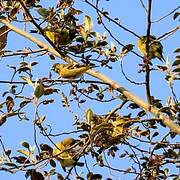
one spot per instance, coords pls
(147, 107)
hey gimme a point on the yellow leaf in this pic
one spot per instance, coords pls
(89, 116)
(24, 152)
(88, 24)
(28, 80)
(83, 33)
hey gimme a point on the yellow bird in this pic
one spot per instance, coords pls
(59, 37)
(155, 47)
(63, 152)
(70, 71)
(53, 36)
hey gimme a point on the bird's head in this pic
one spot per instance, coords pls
(57, 67)
(67, 142)
(144, 38)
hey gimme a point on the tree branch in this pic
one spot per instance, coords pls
(148, 32)
(112, 20)
(143, 5)
(165, 16)
(130, 96)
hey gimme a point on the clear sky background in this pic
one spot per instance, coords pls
(131, 15)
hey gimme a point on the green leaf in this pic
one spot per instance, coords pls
(24, 103)
(39, 90)
(125, 50)
(176, 69)
(177, 57)
(123, 155)
(52, 172)
(88, 24)
(60, 176)
(52, 163)
(24, 152)
(133, 106)
(166, 171)
(144, 133)
(97, 176)
(43, 12)
(172, 153)
(176, 15)
(80, 164)
(159, 146)
(10, 164)
(34, 63)
(176, 62)
(155, 134)
(25, 144)
(23, 63)
(21, 159)
(46, 147)
(48, 101)
(177, 50)
(141, 113)
(89, 116)
(28, 80)
(75, 11)
(8, 152)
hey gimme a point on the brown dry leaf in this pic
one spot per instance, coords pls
(3, 37)
(9, 103)
(2, 119)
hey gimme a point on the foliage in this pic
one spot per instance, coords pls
(126, 133)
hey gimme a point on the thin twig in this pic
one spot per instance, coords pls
(153, 110)
(110, 19)
(167, 34)
(4, 150)
(119, 170)
(111, 34)
(128, 79)
(143, 5)
(25, 53)
(56, 81)
(119, 106)
(37, 26)
(34, 128)
(165, 16)
(65, 133)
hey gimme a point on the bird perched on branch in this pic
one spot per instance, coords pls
(60, 37)
(64, 152)
(70, 71)
(155, 47)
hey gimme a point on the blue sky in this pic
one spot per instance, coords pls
(131, 15)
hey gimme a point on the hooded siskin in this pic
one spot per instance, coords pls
(70, 71)
(59, 36)
(63, 152)
(155, 47)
